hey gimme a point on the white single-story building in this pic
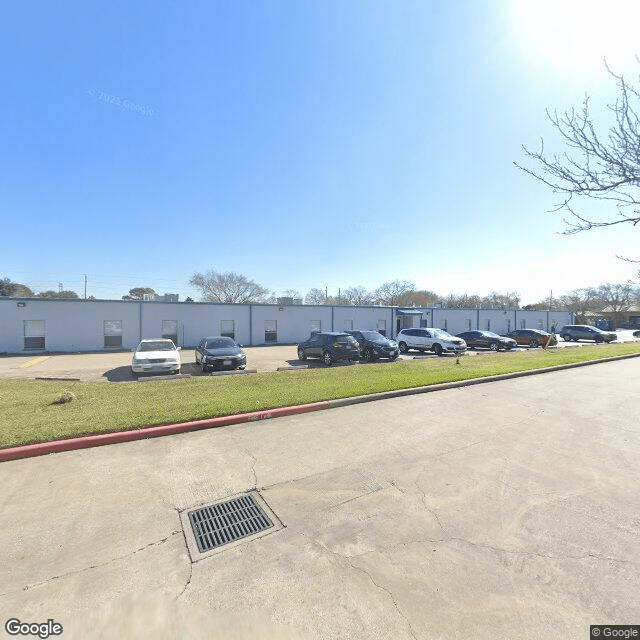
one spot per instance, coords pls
(60, 325)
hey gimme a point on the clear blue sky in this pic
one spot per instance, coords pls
(144, 141)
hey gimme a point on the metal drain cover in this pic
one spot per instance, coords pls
(219, 524)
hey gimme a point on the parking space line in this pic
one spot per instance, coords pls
(32, 362)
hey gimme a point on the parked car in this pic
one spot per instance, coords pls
(374, 345)
(585, 332)
(487, 340)
(533, 337)
(329, 346)
(430, 339)
(218, 352)
(156, 356)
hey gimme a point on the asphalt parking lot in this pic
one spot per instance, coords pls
(497, 511)
(116, 366)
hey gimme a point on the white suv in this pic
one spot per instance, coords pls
(429, 339)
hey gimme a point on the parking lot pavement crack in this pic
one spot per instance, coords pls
(348, 559)
(549, 556)
(388, 592)
(423, 497)
(358, 497)
(95, 566)
(188, 582)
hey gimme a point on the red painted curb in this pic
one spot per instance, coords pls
(86, 442)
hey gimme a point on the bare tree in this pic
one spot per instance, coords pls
(358, 296)
(315, 296)
(509, 300)
(394, 293)
(463, 301)
(229, 288)
(615, 298)
(601, 163)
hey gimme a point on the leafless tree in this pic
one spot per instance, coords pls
(422, 298)
(394, 293)
(229, 288)
(358, 296)
(315, 296)
(509, 300)
(601, 161)
(463, 301)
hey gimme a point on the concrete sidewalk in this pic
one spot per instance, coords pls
(495, 511)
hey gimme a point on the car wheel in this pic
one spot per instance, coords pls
(494, 346)
(327, 358)
(533, 344)
(203, 367)
(437, 349)
(369, 356)
(176, 372)
(393, 358)
(599, 340)
(301, 354)
(403, 347)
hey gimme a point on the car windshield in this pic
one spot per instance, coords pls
(345, 339)
(490, 334)
(374, 336)
(219, 343)
(439, 333)
(157, 345)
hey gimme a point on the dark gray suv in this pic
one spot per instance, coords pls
(329, 346)
(585, 332)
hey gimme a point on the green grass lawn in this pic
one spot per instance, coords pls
(29, 415)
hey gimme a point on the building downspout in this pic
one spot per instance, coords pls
(140, 323)
(250, 325)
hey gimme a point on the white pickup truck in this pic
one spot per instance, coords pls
(430, 339)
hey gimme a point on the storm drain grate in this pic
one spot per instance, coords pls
(227, 521)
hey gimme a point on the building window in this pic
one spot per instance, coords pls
(382, 327)
(270, 331)
(316, 326)
(228, 329)
(112, 333)
(170, 330)
(348, 325)
(33, 334)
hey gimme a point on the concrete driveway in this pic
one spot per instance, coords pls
(497, 511)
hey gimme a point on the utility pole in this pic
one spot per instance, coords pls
(60, 286)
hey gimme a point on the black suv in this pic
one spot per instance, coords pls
(329, 346)
(374, 345)
(585, 332)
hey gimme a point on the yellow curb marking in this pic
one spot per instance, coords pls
(30, 363)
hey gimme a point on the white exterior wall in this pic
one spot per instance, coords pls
(500, 321)
(78, 325)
